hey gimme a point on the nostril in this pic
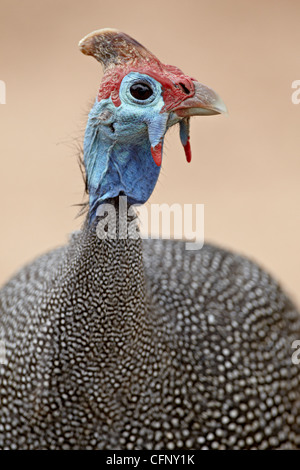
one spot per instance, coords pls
(185, 89)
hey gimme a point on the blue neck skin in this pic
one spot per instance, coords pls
(116, 165)
(117, 149)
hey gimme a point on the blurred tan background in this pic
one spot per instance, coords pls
(245, 167)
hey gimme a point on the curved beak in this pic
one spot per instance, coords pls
(205, 102)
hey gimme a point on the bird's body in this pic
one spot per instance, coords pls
(142, 344)
(124, 343)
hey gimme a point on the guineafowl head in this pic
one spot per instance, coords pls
(138, 101)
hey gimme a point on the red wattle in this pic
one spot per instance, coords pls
(188, 151)
(156, 154)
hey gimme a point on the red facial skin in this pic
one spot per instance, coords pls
(176, 86)
(156, 154)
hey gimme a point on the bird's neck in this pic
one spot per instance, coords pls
(108, 288)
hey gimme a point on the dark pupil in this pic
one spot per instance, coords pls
(140, 91)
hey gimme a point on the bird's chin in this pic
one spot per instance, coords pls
(173, 119)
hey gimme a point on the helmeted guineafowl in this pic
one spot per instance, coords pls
(115, 342)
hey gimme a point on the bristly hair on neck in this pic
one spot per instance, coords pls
(78, 144)
(84, 206)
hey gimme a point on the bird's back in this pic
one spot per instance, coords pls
(233, 329)
(209, 368)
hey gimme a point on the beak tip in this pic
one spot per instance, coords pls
(221, 107)
(217, 105)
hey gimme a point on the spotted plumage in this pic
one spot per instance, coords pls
(141, 344)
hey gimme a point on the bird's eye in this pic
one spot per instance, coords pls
(141, 91)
